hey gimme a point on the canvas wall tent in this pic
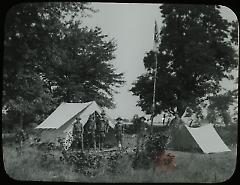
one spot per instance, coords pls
(203, 139)
(60, 123)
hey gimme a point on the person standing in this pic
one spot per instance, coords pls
(103, 122)
(119, 132)
(141, 133)
(91, 131)
(135, 122)
(78, 134)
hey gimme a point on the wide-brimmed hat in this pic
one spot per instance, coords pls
(143, 118)
(78, 118)
(119, 119)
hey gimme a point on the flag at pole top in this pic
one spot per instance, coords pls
(156, 37)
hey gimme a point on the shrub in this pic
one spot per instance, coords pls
(83, 161)
(94, 163)
(154, 146)
(113, 161)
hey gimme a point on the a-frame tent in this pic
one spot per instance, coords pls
(202, 139)
(59, 124)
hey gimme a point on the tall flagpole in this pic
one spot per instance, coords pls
(155, 77)
(154, 93)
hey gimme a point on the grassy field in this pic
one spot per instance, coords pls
(191, 167)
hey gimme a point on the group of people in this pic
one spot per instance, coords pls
(92, 134)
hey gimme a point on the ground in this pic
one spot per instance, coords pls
(191, 167)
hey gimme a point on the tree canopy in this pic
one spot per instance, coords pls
(194, 55)
(219, 106)
(49, 57)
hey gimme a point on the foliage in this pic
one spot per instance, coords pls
(190, 65)
(85, 73)
(35, 165)
(114, 161)
(90, 163)
(21, 136)
(82, 161)
(190, 168)
(234, 32)
(154, 146)
(221, 101)
(49, 57)
(219, 105)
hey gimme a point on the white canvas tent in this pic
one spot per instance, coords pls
(60, 123)
(208, 139)
(204, 139)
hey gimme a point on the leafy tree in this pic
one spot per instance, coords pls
(211, 116)
(194, 55)
(30, 28)
(31, 98)
(234, 32)
(219, 106)
(85, 73)
(45, 47)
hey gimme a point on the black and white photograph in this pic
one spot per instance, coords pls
(120, 92)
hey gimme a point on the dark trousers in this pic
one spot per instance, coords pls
(101, 139)
(77, 143)
(91, 140)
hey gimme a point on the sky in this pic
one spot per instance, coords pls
(132, 27)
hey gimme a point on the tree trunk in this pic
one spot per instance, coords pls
(151, 128)
(180, 110)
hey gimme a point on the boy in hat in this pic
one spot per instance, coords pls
(78, 133)
(103, 123)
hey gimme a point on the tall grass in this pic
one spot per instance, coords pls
(191, 167)
(31, 166)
